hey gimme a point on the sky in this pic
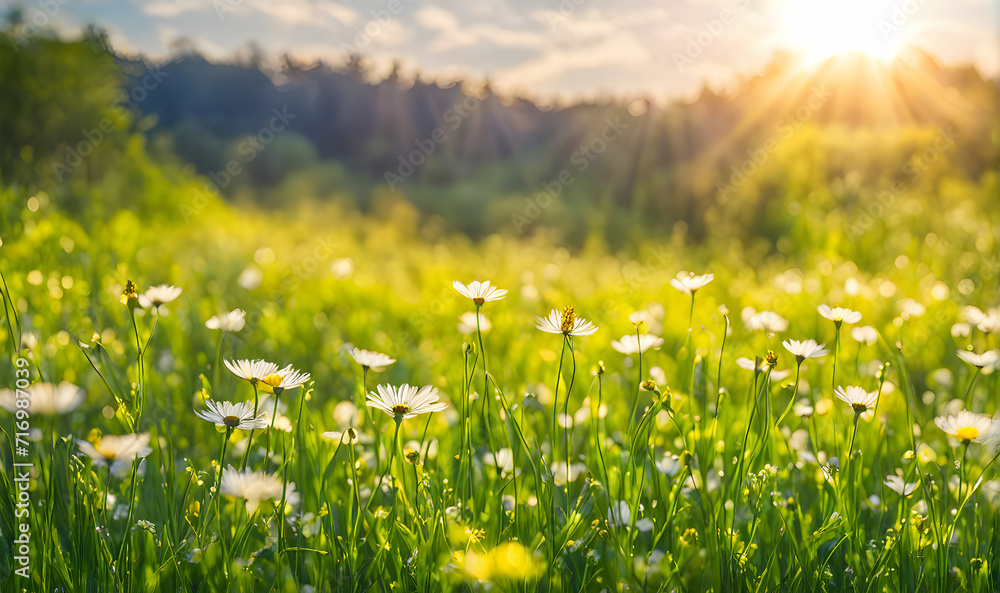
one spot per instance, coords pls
(564, 49)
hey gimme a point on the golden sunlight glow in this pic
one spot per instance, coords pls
(823, 28)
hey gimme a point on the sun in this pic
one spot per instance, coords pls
(820, 29)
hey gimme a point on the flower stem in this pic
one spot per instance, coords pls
(246, 454)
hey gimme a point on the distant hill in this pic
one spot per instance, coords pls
(369, 126)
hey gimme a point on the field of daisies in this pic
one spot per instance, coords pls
(326, 401)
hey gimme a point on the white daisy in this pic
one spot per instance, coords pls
(155, 296)
(280, 421)
(985, 321)
(350, 435)
(231, 321)
(865, 334)
(405, 401)
(839, 315)
(45, 398)
(504, 458)
(117, 452)
(750, 365)
(565, 323)
(251, 486)
(467, 323)
(286, 378)
(858, 398)
(251, 370)
(368, 359)
(632, 343)
(805, 349)
(480, 292)
(688, 283)
(575, 471)
(670, 464)
(803, 408)
(990, 358)
(232, 416)
(769, 321)
(620, 514)
(966, 426)
(897, 485)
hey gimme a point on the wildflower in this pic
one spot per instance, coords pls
(803, 409)
(369, 359)
(690, 536)
(231, 321)
(405, 401)
(252, 486)
(760, 366)
(669, 465)
(620, 514)
(156, 296)
(279, 421)
(985, 321)
(233, 416)
(348, 436)
(566, 323)
(117, 452)
(129, 296)
(480, 292)
(839, 315)
(961, 330)
(967, 426)
(824, 406)
(636, 344)
(286, 378)
(896, 484)
(145, 526)
(251, 370)
(865, 334)
(504, 459)
(771, 359)
(990, 358)
(768, 321)
(45, 398)
(468, 320)
(688, 283)
(805, 349)
(858, 398)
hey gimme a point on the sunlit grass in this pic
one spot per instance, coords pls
(664, 430)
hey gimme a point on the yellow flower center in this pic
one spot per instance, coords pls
(231, 421)
(271, 381)
(129, 293)
(479, 300)
(967, 433)
(400, 409)
(568, 319)
(105, 450)
(859, 408)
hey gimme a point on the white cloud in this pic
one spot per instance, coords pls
(306, 12)
(626, 52)
(453, 35)
(169, 8)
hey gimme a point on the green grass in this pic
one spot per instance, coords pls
(711, 491)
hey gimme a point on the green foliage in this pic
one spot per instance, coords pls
(696, 483)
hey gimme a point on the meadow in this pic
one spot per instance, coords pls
(206, 394)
